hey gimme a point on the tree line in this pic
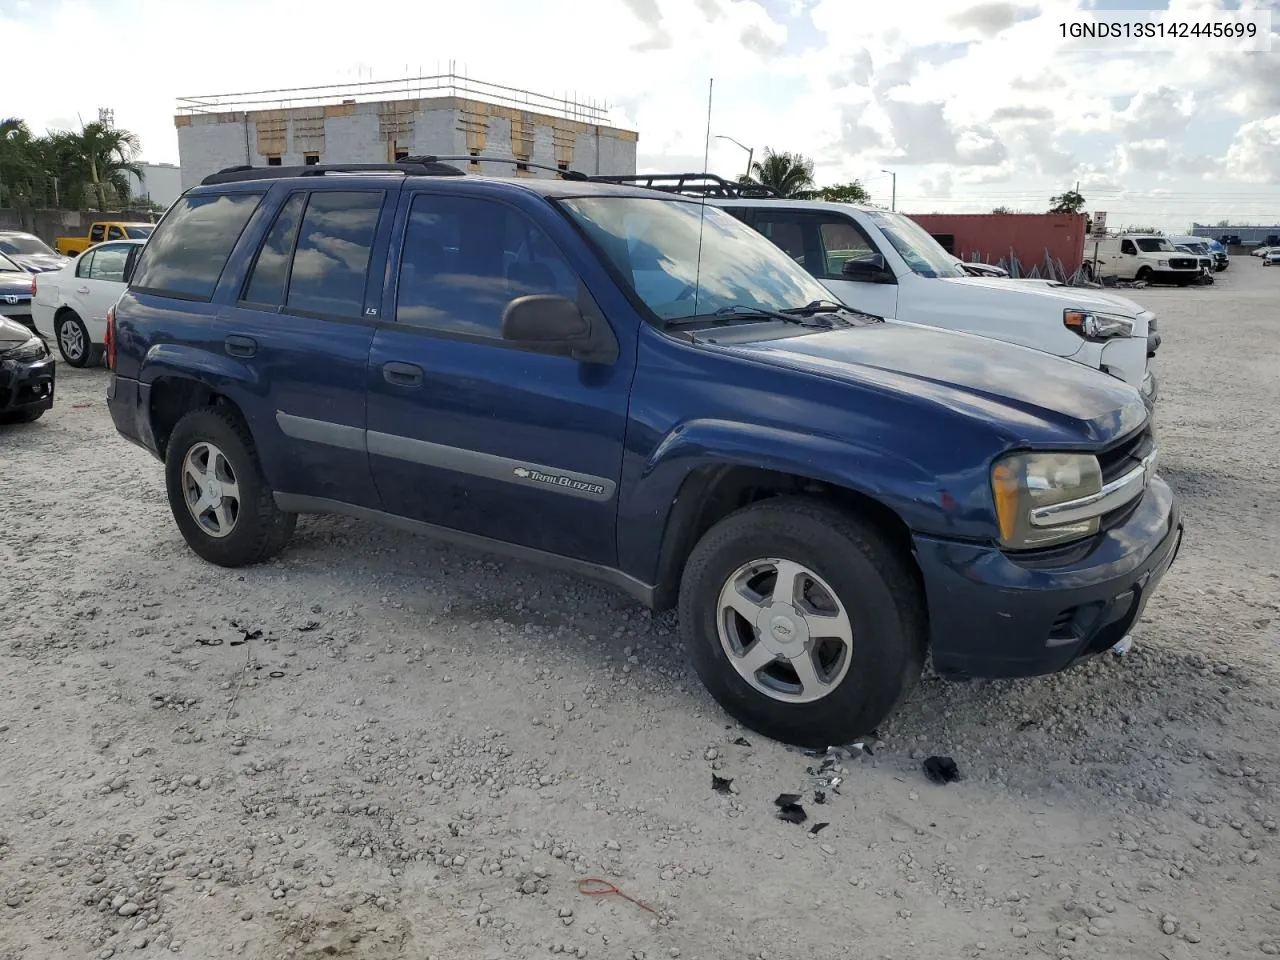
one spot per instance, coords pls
(67, 169)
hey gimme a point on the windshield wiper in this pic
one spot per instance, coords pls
(739, 311)
(831, 306)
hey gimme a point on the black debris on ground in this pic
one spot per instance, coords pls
(818, 827)
(721, 784)
(941, 770)
(792, 813)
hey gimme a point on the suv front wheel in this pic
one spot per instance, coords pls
(218, 495)
(803, 621)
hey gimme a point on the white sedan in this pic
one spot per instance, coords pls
(1271, 258)
(70, 304)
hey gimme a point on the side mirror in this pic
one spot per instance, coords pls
(545, 323)
(870, 267)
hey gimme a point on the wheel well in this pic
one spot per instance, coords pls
(711, 493)
(61, 312)
(174, 397)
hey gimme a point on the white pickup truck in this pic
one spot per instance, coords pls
(886, 264)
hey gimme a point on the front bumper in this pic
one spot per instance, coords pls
(995, 616)
(26, 385)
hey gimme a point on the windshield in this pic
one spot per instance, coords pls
(924, 255)
(23, 244)
(655, 245)
(1154, 245)
(138, 233)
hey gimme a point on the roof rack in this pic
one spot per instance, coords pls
(412, 167)
(469, 158)
(692, 184)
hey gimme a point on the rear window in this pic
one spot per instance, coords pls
(186, 256)
(138, 233)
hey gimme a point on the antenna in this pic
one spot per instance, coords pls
(702, 207)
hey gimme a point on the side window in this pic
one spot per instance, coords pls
(115, 233)
(739, 213)
(841, 241)
(788, 234)
(109, 263)
(96, 233)
(465, 259)
(185, 256)
(271, 269)
(1127, 246)
(85, 264)
(331, 257)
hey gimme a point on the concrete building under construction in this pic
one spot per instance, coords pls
(382, 121)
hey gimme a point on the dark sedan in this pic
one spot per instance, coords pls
(16, 288)
(30, 252)
(26, 374)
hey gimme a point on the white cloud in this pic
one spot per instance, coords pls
(1254, 154)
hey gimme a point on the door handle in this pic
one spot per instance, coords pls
(82, 289)
(402, 374)
(239, 346)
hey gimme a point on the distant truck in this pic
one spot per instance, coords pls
(101, 231)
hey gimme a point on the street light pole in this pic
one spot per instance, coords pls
(893, 201)
(751, 151)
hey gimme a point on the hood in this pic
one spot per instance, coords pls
(40, 262)
(11, 283)
(12, 333)
(1031, 397)
(1053, 291)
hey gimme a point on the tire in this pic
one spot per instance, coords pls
(73, 341)
(840, 552)
(1143, 274)
(255, 529)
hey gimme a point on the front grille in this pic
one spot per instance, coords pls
(1182, 263)
(1122, 456)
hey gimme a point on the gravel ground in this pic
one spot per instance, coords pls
(376, 747)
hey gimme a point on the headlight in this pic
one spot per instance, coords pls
(1162, 263)
(32, 348)
(1023, 482)
(1097, 326)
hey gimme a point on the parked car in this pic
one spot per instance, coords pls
(26, 374)
(1143, 257)
(16, 285)
(886, 264)
(71, 304)
(628, 385)
(1260, 251)
(1272, 257)
(103, 232)
(1205, 247)
(29, 251)
(1203, 258)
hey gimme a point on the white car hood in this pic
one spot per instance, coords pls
(1051, 292)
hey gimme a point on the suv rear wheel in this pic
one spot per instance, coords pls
(803, 621)
(218, 495)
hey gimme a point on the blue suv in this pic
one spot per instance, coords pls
(635, 386)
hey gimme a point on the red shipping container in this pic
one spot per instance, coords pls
(992, 237)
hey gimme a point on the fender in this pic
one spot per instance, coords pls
(657, 506)
(220, 373)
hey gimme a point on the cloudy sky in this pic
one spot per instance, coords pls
(974, 105)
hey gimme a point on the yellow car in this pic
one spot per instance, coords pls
(100, 232)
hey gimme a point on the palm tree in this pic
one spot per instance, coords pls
(19, 170)
(106, 155)
(791, 174)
